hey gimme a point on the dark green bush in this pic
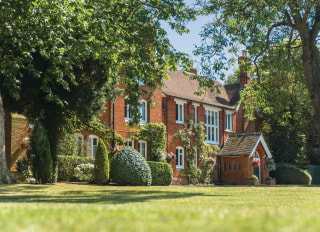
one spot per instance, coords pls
(42, 161)
(67, 164)
(161, 173)
(128, 167)
(101, 164)
(289, 174)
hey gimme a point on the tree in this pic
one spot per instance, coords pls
(284, 102)
(41, 155)
(260, 26)
(65, 58)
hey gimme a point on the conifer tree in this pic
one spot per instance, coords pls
(101, 164)
(42, 161)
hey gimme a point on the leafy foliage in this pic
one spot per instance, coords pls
(41, 161)
(284, 102)
(67, 165)
(101, 164)
(161, 173)
(128, 167)
(279, 35)
(84, 172)
(62, 59)
(193, 141)
(290, 174)
(155, 134)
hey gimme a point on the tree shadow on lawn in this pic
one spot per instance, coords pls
(94, 196)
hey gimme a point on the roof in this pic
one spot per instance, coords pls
(181, 86)
(243, 145)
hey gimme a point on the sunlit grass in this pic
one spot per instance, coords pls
(108, 208)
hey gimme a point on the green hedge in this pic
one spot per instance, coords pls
(289, 174)
(161, 173)
(67, 164)
(128, 167)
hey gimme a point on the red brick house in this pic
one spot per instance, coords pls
(223, 117)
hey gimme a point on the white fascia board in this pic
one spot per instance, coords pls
(212, 108)
(265, 146)
(180, 101)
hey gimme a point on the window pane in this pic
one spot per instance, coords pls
(177, 117)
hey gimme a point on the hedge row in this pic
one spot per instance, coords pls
(289, 174)
(67, 164)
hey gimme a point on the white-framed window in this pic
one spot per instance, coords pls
(92, 145)
(79, 144)
(127, 111)
(212, 125)
(142, 148)
(195, 112)
(179, 110)
(179, 158)
(128, 143)
(143, 110)
(228, 121)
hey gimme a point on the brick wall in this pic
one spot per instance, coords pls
(234, 176)
(17, 129)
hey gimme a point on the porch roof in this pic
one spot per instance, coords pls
(243, 145)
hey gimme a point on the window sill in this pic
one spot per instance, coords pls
(179, 122)
(179, 167)
(227, 130)
(212, 142)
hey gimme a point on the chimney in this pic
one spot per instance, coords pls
(244, 76)
(193, 70)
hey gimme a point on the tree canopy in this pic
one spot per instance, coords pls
(261, 26)
(66, 57)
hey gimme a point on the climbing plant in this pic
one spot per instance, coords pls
(155, 134)
(192, 139)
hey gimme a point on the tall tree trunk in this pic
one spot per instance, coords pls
(5, 175)
(311, 67)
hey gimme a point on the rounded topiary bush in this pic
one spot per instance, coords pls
(289, 174)
(128, 167)
(161, 173)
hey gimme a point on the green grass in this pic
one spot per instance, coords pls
(108, 208)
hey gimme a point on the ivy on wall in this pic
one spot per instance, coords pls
(192, 138)
(96, 126)
(155, 134)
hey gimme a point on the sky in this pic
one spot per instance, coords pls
(186, 43)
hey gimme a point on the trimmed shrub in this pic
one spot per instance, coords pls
(289, 174)
(101, 164)
(41, 161)
(161, 173)
(128, 167)
(84, 172)
(67, 164)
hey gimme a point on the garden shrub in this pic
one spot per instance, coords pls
(161, 173)
(84, 172)
(24, 170)
(101, 164)
(289, 174)
(41, 161)
(159, 156)
(128, 167)
(67, 164)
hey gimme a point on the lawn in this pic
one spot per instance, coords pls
(71, 207)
